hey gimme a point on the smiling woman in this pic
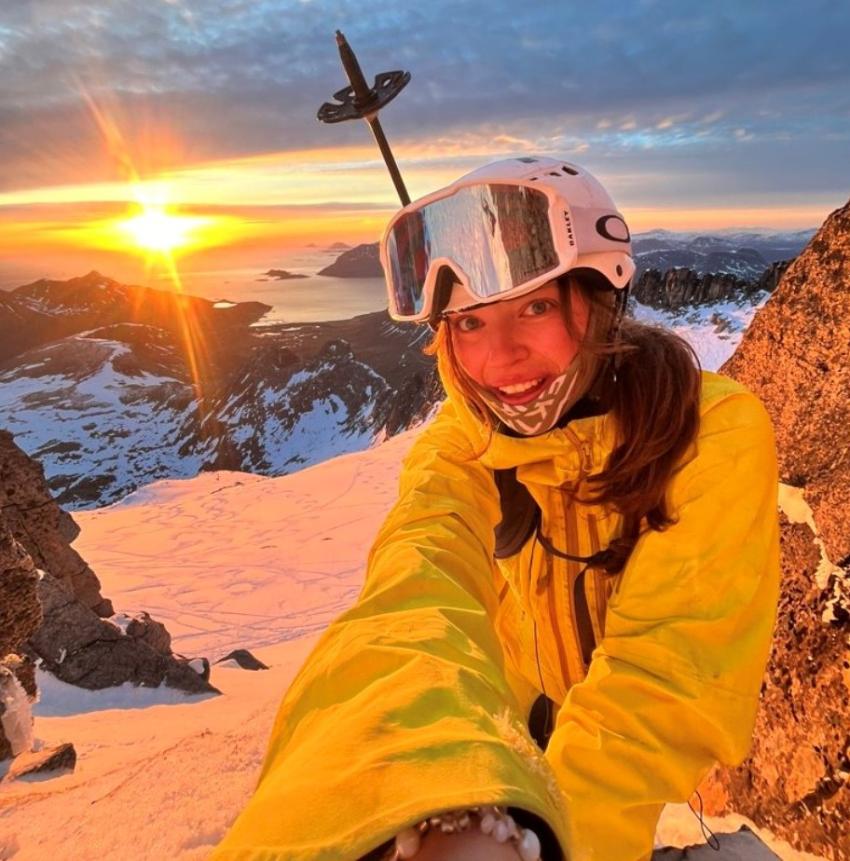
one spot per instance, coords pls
(566, 616)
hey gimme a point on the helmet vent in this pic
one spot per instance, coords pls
(571, 171)
(526, 159)
(553, 173)
(534, 179)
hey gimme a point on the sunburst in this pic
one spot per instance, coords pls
(156, 230)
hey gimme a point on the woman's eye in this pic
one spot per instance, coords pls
(538, 307)
(466, 324)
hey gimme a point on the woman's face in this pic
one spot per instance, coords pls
(516, 347)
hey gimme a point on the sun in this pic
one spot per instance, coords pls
(156, 230)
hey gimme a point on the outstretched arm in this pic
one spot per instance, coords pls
(402, 709)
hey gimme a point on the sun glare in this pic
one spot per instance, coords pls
(154, 229)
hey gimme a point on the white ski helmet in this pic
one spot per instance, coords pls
(503, 230)
(602, 237)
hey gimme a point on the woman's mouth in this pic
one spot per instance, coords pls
(522, 392)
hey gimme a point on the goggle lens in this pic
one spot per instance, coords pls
(498, 234)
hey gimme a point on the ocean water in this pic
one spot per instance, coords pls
(299, 300)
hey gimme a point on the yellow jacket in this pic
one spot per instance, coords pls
(416, 699)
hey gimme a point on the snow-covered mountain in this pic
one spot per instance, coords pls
(111, 386)
(744, 253)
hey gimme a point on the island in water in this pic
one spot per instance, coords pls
(281, 275)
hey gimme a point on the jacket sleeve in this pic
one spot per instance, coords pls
(402, 709)
(674, 684)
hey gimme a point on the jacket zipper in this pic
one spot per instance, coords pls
(584, 622)
(584, 636)
(587, 640)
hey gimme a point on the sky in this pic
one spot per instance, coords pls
(696, 116)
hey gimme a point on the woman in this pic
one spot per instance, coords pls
(566, 615)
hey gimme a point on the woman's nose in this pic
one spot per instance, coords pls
(506, 347)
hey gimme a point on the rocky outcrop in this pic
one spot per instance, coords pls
(796, 358)
(72, 640)
(769, 280)
(79, 648)
(43, 529)
(60, 757)
(20, 618)
(677, 288)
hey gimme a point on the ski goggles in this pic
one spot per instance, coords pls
(500, 239)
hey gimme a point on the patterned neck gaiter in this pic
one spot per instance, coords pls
(542, 413)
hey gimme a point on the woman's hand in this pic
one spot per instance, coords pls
(464, 846)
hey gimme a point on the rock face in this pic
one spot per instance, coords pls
(20, 618)
(796, 358)
(72, 640)
(20, 611)
(677, 288)
(43, 529)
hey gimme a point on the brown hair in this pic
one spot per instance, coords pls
(649, 379)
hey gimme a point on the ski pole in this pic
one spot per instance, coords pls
(358, 101)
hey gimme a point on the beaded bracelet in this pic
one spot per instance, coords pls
(494, 821)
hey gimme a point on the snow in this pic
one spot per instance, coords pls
(793, 503)
(714, 331)
(94, 420)
(226, 560)
(59, 699)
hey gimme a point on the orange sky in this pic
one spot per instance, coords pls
(249, 208)
(244, 212)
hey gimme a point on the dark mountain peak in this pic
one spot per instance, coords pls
(362, 261)
(47, 310)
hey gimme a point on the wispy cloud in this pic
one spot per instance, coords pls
(194, 83)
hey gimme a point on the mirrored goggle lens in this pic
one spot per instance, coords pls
(498, 234)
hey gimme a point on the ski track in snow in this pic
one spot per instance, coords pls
(302, 542)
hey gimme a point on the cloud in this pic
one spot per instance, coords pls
(189, 81)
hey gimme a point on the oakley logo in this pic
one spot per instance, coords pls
(613, 227)
(569, 228)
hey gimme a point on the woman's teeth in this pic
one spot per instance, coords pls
(518, 388)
